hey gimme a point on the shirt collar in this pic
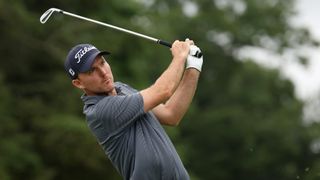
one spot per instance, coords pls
(95, 99)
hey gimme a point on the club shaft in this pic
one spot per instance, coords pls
(45, 16)
(118, 28)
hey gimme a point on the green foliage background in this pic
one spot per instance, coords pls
(245, 121)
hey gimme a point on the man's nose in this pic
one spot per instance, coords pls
(102, 71)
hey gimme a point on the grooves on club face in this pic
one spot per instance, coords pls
(45, 16)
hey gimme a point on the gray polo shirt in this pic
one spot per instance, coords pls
(134, 141)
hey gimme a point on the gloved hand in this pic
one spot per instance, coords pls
(193, 61)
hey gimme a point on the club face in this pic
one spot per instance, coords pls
(45, 16)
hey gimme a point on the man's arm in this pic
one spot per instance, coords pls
(174, 109)
(167, 83)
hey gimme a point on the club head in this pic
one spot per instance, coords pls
(45, 16)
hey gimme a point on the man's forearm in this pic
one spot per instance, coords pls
(180, 101)
(171, 77)
(164, 87)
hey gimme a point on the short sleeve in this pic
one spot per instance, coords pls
(118, 112)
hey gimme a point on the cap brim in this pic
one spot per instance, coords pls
(87, 66)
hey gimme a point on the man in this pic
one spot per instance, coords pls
(127, 122)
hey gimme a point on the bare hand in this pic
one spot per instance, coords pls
(180, 49)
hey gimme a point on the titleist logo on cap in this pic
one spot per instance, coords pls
(82, 52)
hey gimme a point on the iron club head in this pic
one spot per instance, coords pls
(46, 15)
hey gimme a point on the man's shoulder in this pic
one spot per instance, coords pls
(121, 84)
(125, 88)
(89, 100)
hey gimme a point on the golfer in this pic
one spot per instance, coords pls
(127, 122)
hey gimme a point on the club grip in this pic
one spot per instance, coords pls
(165, 43)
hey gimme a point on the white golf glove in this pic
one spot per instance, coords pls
(193, 61)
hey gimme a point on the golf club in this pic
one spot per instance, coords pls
(45, 16)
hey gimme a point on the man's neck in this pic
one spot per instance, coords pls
(113, 92)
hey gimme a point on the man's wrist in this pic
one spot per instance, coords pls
(193, 68)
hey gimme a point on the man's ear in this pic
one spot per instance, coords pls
(77, 83)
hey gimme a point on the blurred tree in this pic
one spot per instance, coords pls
(245, 122)
(255, 132)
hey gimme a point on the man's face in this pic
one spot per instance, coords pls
(98, 80)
